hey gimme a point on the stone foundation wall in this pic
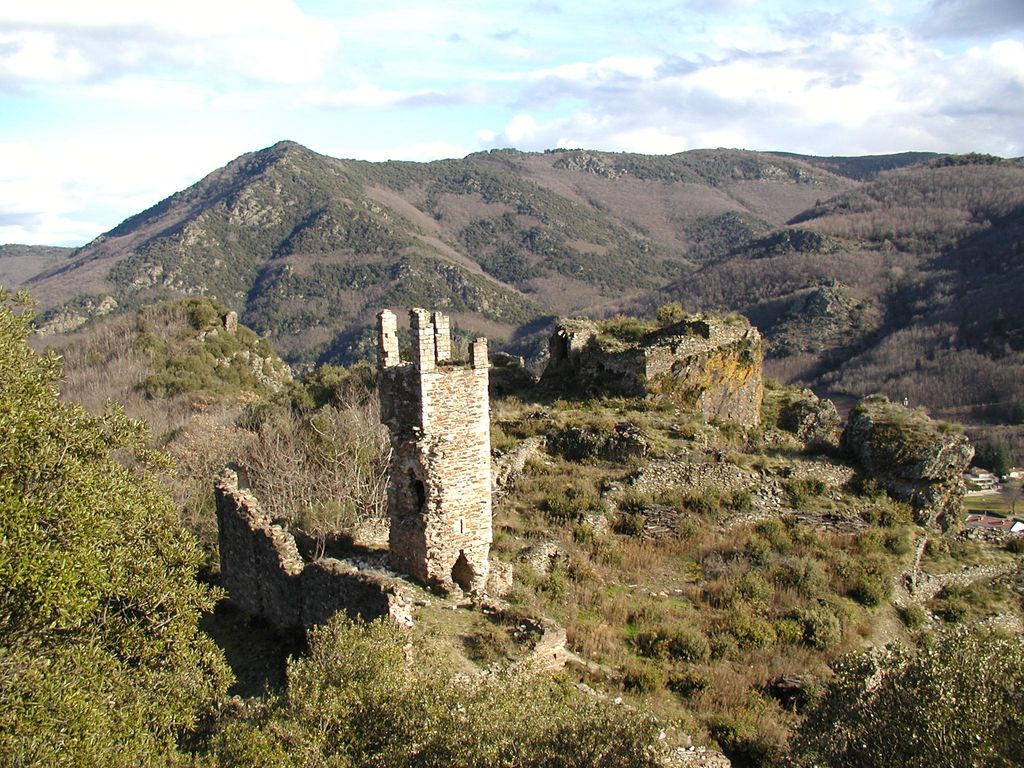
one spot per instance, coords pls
(265, 575)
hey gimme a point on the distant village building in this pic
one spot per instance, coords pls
(986, 522)
(980, 482)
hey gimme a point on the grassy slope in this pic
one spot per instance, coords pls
(695, 620)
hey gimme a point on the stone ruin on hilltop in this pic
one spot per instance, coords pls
(439, 498)
(708, 363)
(439, 494)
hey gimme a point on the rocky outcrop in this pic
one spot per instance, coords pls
(265, 575)
(623, 442)
(707, 363)
(917, 460)
(814, 421)
(541, 557)
(76, 314)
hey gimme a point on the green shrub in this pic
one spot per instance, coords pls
(805, 574)
(708, 504)
(487, 644)
(572, 503)
(822, 629)
(688, 528)
(757, 550)
(913, 616)
(688, 682)
(952, 609)
(678, 642)
(747, 738)
(898, 542)
(754, 588)
(630, 524)
(789, 631)
(868, 591)
(803, 490)
(776, 533)
(640, 677)
(1016, 545)
(723, 645)
(740, 501)
(673, 312)
(628, 329)
(751, 631)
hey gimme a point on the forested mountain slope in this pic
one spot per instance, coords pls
(906, 284)
(307, 246)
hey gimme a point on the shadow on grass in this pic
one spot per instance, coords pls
(256, 652)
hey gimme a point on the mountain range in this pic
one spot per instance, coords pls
(897, 273)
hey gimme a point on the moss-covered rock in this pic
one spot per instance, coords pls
(916, 459)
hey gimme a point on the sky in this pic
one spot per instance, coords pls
(109, 106)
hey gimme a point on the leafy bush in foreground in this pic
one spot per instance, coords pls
(101, 658)
(957, 700)
(363, 697)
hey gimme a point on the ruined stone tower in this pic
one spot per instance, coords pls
(439, 497)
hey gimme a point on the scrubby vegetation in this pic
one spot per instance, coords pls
(954, 700)
(711, 576)
(359, 698)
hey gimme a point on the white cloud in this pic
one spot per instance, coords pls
(521, 129)
(66, 194)
(69, 41)
(837, 92)
(367, 96)
(972, 18)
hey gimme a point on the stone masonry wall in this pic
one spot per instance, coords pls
(707, 363)
(720, 372)
(439, 496)
(265, 575)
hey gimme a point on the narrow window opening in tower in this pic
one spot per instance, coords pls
(561, 349)
(462, 572)
(421, 494)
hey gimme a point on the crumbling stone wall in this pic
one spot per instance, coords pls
(708, 363)
(439, 496)
(265, 575)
